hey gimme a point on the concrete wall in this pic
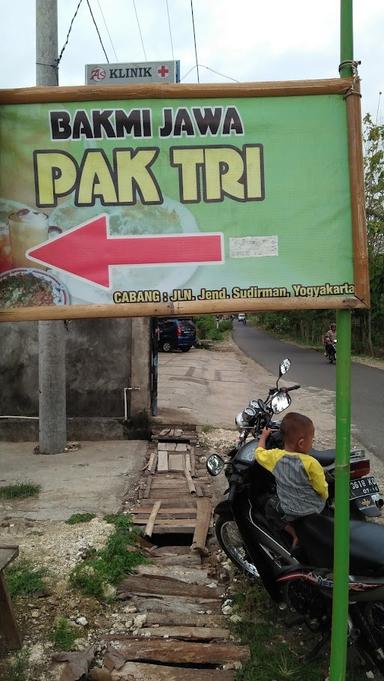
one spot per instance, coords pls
(98, 365)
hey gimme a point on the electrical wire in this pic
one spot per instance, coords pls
(107, 29)
(68, 34)
(194, 40)
(170, 30)
(97, 30)
(219, 74)
(209, 69)
(139, 27)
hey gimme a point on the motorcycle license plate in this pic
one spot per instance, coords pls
(363, 487)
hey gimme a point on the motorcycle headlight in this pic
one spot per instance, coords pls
(245, 418)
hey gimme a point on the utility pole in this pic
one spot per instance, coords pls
(52, 393)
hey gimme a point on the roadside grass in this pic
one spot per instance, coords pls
(103, 569)
(77, 518)
(18, 669)
(63, 635)
(24, 578)
(207, 429)
(20, 490)
(277, 649)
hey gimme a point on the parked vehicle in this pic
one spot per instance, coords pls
(176, 334)
(302, 578)
(241, 317)
(330, 351)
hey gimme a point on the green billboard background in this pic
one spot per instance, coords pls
(304, 216)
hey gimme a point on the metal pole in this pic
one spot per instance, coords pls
(52, 393)
(343, 428)
(341, 534)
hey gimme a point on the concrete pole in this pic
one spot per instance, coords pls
(52, 394)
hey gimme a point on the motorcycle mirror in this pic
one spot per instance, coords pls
(280, 401)
(215, 464)
(284, 366)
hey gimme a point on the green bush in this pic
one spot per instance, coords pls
(208, 329)
(110, 564)
(20, 490)
(25, 579)
(63, 634)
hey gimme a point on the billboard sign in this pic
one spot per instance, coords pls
(130, 73)
(206, 199)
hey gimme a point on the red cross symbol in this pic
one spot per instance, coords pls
(163, 71)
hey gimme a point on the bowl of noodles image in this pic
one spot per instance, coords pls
(171, 217)
(28, 287)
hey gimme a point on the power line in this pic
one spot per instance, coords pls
(97, 30)
(139, 27)
(170, 30)
(69, 32)
(107, 29)
(209, 69)
(219, 74)
(194, 40)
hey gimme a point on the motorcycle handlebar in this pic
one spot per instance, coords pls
(293, 387)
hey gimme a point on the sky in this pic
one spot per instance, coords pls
(244, 40)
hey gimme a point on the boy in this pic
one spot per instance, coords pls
(300, 481)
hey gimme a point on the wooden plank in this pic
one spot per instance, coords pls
(190, 483)
(9, 633)
(188, 574)
(180, 651)
(174, 494)
(151, 520)
(192, 456)
(176, 462)
(185, 633)
(184, 619)
(203, 517)
(169, 605)
(152, 462)
(168, 505)
(165, 481)
(171, 529)
(140, 671)
(180, 560)
(167, 585)
(199, 491)
(181, 447)
(162, 461)
(8, 552)
(147, 489)
(142, 518)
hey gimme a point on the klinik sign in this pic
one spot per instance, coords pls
(155, 200)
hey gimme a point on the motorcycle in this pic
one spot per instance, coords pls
(301, 578)
(330, 351)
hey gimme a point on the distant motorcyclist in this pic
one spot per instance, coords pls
(329, 339)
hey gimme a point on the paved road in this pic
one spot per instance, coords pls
(310, 368)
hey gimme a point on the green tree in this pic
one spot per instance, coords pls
(373, 320)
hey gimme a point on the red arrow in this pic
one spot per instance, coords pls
(87, 251)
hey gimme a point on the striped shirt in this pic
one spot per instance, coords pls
(300, 480)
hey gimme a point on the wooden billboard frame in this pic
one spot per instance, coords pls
(341, 86)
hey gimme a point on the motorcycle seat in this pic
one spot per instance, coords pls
(325, 456)
(366, 551)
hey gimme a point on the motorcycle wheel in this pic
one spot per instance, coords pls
(230, 541)
(370, 623)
